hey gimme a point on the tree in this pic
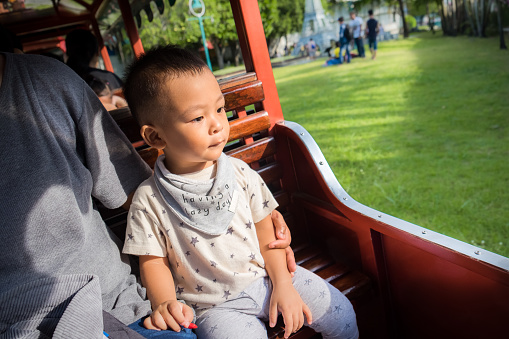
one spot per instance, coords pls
(498, 5)
(402, 13)
(290, 17)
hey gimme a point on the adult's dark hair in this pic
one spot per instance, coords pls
(98, 86)
(9, 41)
(370, 12)
(81, 47)
(147, 76)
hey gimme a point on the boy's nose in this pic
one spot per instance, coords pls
(216, 125)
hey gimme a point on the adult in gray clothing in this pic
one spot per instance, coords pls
(59, 264)
(59, 148)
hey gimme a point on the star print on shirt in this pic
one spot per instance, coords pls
(308, 282)
(252, 196)
(197, 270)
(232, 255)
(252, 256)
(245, 239)
(180, 290)
(188, 253)
(230, 230)
(153, 195)
(266, 204)
(195, 306)
(199, 288)
(226, 294)
(213, 328)
(322, 294)
(212, 244)
(150, 235)
(249, 224)
(130, 237)
(337, 309)
(164, 211)
(181, 224)
(194, 240)
(213, 263)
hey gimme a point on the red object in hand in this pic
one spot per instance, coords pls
(192, 326)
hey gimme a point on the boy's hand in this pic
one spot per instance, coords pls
(170, 314)
(286, 299)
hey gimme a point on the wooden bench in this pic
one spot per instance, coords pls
(251, 141)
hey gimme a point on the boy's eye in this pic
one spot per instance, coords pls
(197, 119)
(220, 109)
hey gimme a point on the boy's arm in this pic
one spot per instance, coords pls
(167, 312)
(285, 298)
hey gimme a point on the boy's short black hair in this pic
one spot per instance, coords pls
(147, 76)
(341, 19)
(370, 12)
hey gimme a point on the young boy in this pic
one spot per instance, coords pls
(201, 224)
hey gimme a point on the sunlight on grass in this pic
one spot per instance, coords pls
(420, 133)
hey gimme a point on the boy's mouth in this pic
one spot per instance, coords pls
(217, 144)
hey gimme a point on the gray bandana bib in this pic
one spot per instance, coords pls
(207, 206)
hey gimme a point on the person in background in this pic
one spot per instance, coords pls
(344, 41)
(104, 93)
(372, 32)
(355, 25)
(82, 55)
(311, 48)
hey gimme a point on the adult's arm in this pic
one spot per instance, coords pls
(283, 240)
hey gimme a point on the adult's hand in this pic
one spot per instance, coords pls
(283, 240)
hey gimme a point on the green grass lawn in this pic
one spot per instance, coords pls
(421, 133)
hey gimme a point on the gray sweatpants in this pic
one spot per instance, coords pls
(244, 316)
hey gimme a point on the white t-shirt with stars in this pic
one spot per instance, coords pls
(207, 270)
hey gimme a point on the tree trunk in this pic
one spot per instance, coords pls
(500, 25)
(476, 13)
(219, 53)
(454, 18)
(402, 11)
(481, 18)
(237, 53)
(445, 22)
(469, 18)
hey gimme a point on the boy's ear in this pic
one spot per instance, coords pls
(151, 137)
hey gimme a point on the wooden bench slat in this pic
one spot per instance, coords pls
(270, 173)
(334, 272)
(319, 262)
(249, 125)
(282, 199)
(243, 95)
(150, 155)
(305, 252)
(229, 81)
(259, 149)
(353, 285)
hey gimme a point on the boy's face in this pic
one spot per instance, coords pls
(195, 128)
